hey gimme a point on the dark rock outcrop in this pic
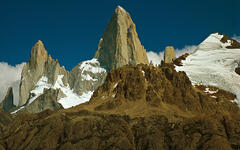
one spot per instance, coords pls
(120, 44)
(234, 43)
(237, 70)
(178, 61)
(7, 103)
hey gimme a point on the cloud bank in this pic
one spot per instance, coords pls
(10, 77)
(156, 58)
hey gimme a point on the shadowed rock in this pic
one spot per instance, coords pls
(48, 100)
(7, 103)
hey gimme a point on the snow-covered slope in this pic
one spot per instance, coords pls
(213, 64)
(213, 42)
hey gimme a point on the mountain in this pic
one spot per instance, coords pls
(40, 64)
(167, 112)
(118, 101)
(120, 44)
(47, 85)
(214, 63)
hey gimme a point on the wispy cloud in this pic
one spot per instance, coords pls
(10, 77)
(156, 58)
(236, 37)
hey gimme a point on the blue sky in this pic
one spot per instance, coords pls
(71, 29)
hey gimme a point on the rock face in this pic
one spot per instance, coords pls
(167, 112)
(70, 89)
(87, 76)
(40, 64)
(48, 100)
(7, 103)
(120, 44)
(169, 54)
(234, 44)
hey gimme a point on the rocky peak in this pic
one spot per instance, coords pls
(120, 44)
(119, 10)
(169, 54)
(40, 64)
(39, 54)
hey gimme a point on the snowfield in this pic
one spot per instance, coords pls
(212, 64)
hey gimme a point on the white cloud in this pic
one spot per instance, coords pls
(10, 77)
(157, 57)
(236, 37)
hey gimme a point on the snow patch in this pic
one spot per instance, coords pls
(73, 99)
(89, 66)
(114, 95)
(143, 73)
(213, 96)
(39, 88)
(87, 77)
(17, 110)
(115, 85)
(210, 92)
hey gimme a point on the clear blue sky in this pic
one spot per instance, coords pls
(71, 29)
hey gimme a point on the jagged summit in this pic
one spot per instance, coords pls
(120, 44)
(40, 64)
(38, 54)
(119, 9)
(218, 41)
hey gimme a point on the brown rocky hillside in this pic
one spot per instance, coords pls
(137, 108)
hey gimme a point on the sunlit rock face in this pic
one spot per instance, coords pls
(120, 44)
